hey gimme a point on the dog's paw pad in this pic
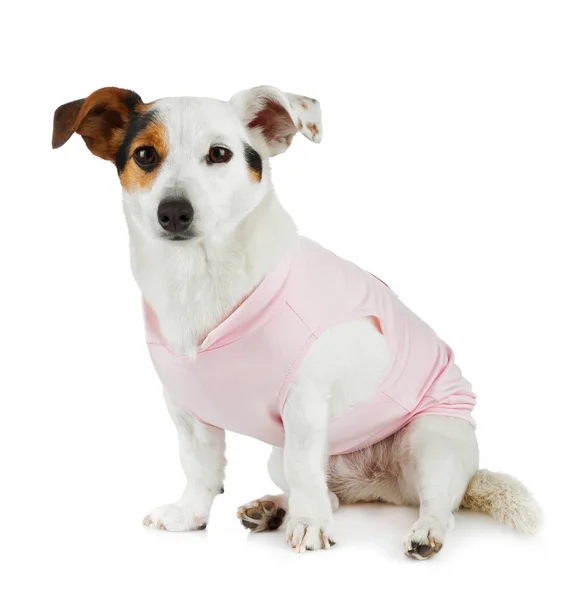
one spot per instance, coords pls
(424, 540)
(423, 551)
(261, 515)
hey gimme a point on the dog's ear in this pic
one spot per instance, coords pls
(100, 119)
(274, 117)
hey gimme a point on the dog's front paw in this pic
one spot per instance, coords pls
(308, 534)
(175, 517)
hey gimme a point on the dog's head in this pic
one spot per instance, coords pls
(189, 167)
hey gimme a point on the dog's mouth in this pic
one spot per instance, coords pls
(178, 237)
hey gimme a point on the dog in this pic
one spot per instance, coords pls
(254, 329)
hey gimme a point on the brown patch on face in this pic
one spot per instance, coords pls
(100, 119)
(304, 105)
(300, 124)
(256, 176)
(133, 177)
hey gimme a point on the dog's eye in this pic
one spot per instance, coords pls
(219, 154)
(146, 157)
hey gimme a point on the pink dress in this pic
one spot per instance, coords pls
(243, 369)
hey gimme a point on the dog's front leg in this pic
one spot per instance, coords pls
(306, 419)
(201, 449)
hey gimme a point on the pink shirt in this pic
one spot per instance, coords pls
(244, 367)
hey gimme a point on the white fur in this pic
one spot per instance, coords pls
(201, 449)
(241, 231)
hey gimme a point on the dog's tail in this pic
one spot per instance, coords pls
(505, 499)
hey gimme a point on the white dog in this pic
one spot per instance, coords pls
(257, 330)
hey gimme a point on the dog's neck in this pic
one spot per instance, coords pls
(193, 286)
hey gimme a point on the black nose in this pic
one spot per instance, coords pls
(175, 214)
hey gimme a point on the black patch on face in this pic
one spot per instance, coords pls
(253, 159)
(137, 122)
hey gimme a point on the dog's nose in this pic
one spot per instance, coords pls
(175, 215)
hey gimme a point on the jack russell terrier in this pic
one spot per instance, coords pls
(255, 329)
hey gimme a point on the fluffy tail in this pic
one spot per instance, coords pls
(505, 499)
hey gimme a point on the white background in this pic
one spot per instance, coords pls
(445, 169)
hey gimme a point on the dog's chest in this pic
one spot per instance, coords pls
(189, 303)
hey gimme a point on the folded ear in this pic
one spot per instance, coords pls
(274, 117)
(100, 119)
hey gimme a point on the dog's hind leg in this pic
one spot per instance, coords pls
(264, 513)
(439, 459)
(428, 463)
(269, 512)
